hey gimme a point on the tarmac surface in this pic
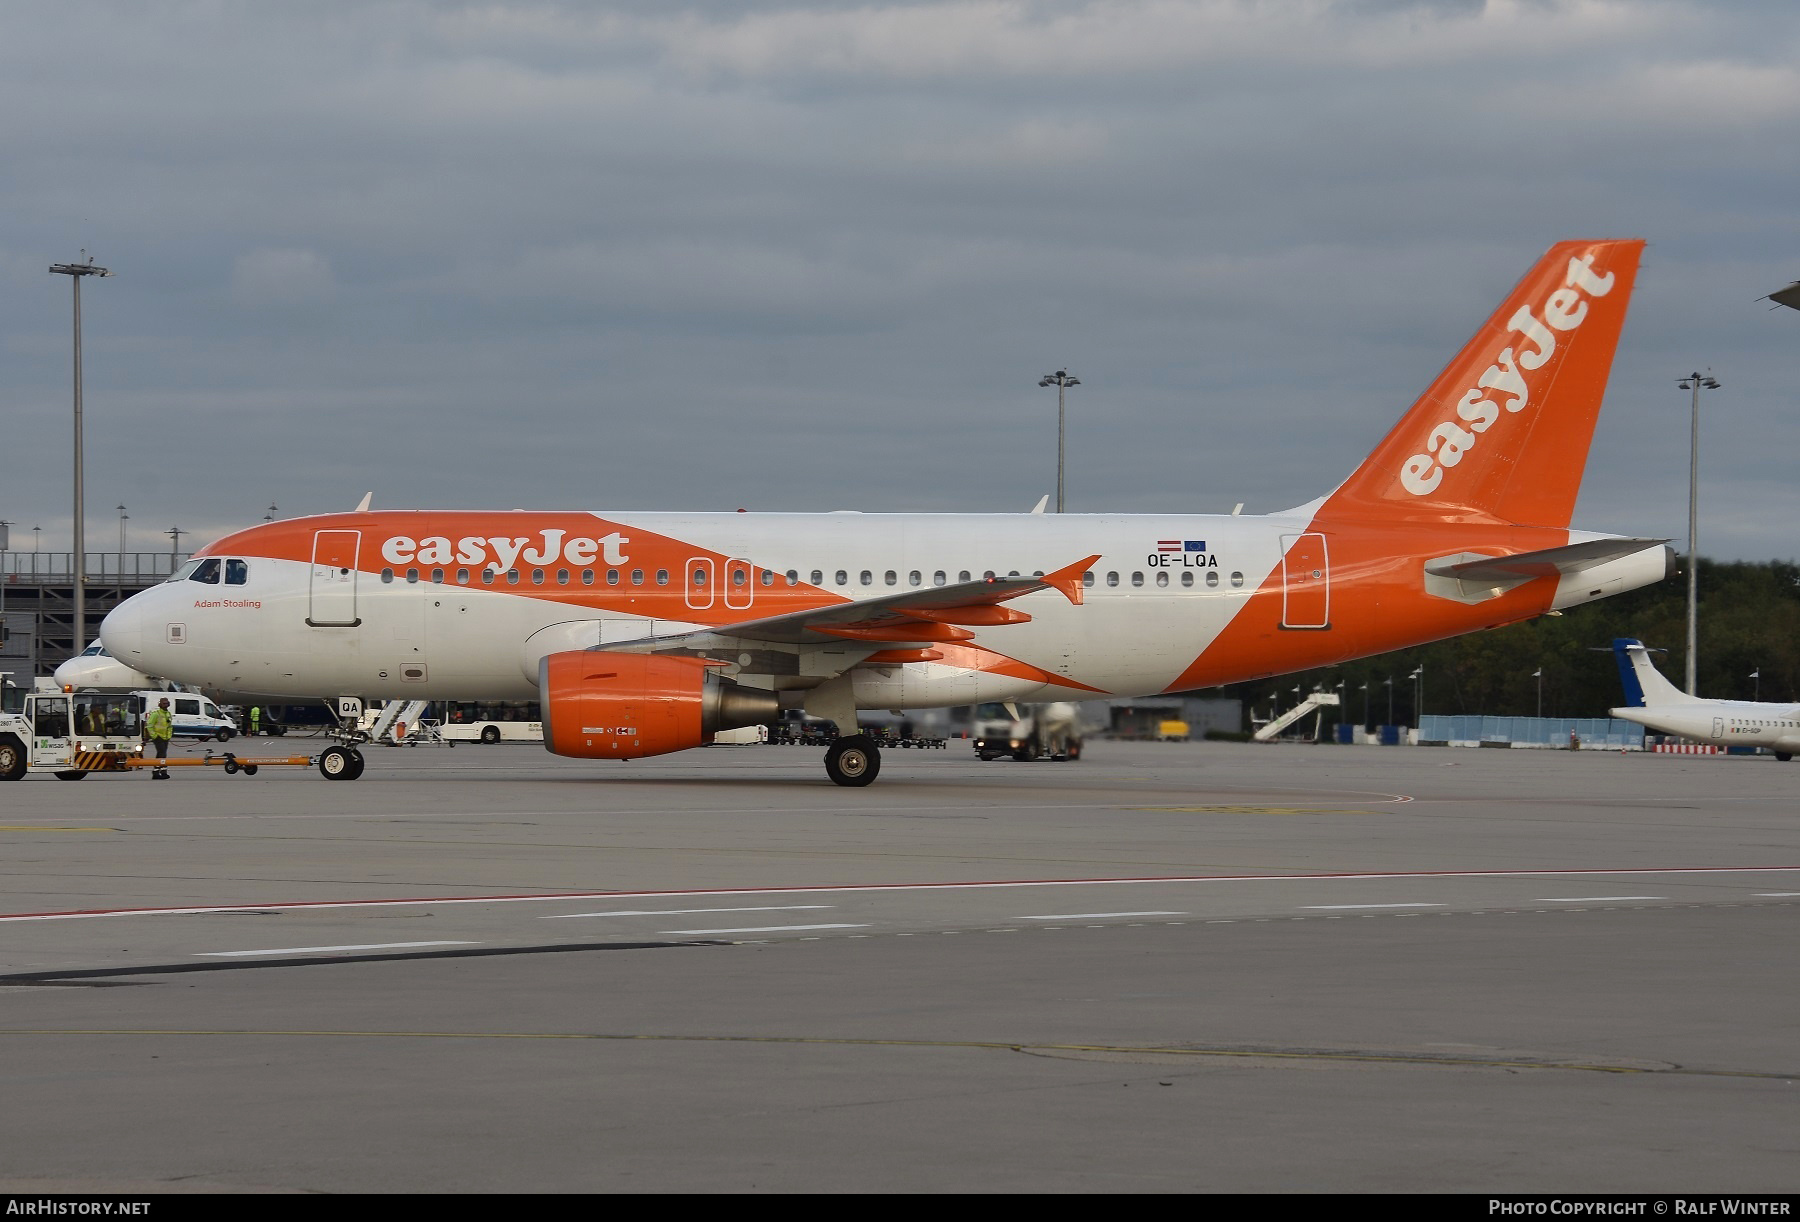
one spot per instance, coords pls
(1164, 967)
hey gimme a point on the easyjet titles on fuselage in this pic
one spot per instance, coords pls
(502, 552)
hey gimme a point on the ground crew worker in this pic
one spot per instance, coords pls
(255, 720)
(159, 728)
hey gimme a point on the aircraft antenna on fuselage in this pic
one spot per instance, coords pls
(363, 505)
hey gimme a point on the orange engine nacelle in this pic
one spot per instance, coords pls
(600, 705)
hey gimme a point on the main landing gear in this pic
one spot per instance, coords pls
(853, 760)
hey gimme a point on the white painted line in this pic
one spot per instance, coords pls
(562, 916)
(322, 950)
(763, 929)
(1345, 907)
(89, 914)
(1594, 899)
(1088, 916)
(1771, 895)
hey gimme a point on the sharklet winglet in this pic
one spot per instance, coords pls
(1067, 580)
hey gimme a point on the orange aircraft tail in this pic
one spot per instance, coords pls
(1502, 435)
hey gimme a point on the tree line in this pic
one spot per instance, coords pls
(1749, 624)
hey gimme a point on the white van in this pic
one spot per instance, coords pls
(195, 716)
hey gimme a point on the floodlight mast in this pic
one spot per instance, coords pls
(1695, 382)
(1062, 380)
(75, 271)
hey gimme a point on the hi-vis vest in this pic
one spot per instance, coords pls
(160, 725)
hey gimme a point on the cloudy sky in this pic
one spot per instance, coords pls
(809, 256)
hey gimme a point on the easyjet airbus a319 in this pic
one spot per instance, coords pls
(645, 633)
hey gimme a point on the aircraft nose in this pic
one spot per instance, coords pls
(122, 631)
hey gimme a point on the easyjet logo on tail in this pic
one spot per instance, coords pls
(1505, 378)
(502, 552)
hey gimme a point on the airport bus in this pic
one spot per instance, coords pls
(492, 721)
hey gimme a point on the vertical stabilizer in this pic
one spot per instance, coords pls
(1644, 684)
(1502, 435)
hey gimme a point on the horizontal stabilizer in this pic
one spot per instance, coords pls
(1551, 561)
(1644, 684)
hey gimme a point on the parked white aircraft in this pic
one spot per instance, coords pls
(94, 669)
(1660, 705)
(645, 633)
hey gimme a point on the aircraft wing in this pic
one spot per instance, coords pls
(916, 617)
(1551, 561)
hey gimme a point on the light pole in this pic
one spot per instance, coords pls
(175, 533)
(1538, 674)
(1757, 675)
(1062, 380)
(5, 531)
(1365, 721)
(75, 271)
(1418, 676)
(1695, 382)
(270, 516)
(1389, 681)
(123, 518)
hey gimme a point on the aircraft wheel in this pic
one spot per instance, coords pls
(1784, 756)
(853, 760)
(337, 764)
(12, 759)
(357, 763)
(71, 775)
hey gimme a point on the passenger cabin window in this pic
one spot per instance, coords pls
(890, 577)
(437, 577)
(868, 578)
(207, 573)
(1237, 579)
(562, 577)
(915, 578)
(1187, 577)
(512, 577)
(637, 577)
(237, 573)
(387, 575)
(1212, 579)
(487, 577)
(1112, 579)
(662, 577)
(843, 578)
(768, 577)
(412, 575)
(462, 577)
(962, 576)
(937, 578)
(737, 577)
(537, 577)
(1087, 579)
(587, 577)
(1162, 577)
(1137, 579)
(612, 577)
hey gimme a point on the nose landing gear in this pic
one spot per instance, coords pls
(342, 763)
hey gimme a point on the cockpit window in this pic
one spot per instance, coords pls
(207, 573)
(236, 572)
(96, 650)
(186, 570)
